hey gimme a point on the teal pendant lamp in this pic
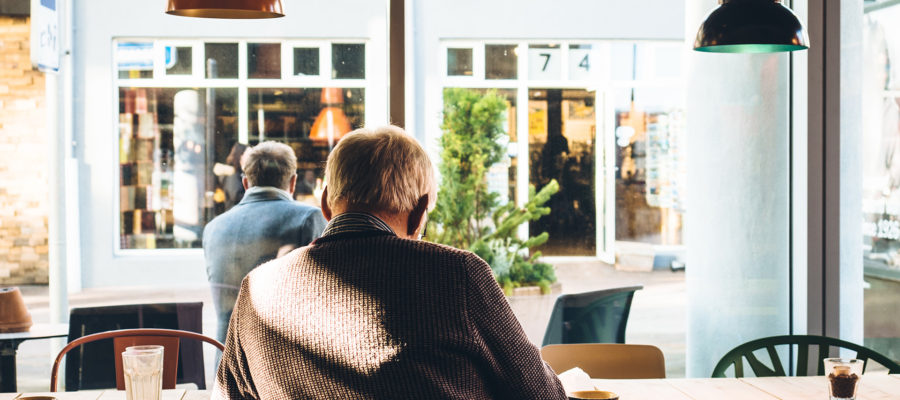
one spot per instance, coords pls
(751, 26)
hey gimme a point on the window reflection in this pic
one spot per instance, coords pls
(562, 134)
(170, 139)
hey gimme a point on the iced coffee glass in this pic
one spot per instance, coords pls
(843, 377)
(143, 367)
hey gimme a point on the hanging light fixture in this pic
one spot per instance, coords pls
(751, 26)
(229, 9)
(331, 124)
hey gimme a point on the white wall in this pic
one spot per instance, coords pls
(97, 23)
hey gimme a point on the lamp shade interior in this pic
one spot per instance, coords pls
(226, 9)
(751, 26)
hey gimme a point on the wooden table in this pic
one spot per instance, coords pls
(174, 394)
(9, 344)
(871, 387)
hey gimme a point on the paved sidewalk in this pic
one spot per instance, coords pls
(658, 314)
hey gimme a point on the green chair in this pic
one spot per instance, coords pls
(735, 358)
(591, 317)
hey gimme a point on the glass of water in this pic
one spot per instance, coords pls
(143, 367)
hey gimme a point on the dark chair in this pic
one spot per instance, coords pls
(93, 365)
(735, 358)
(591, 317)
(168, 338)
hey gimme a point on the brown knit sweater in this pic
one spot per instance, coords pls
(368, 315)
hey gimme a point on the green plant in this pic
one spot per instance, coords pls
(467, 214)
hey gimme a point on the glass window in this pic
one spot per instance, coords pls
(306, 61)
(221, 60)
(264, 60)
(169, 141)
(459, 62)
(348, 61)
(544, 62)
(501, 61)
(881, 180)
(561, 135)
(580, 67)
(180, 145)
(649, 137)
(179, 61)
(134, 60)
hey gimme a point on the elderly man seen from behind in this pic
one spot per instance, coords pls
(367, 310)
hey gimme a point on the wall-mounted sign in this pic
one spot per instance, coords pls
(45, 35)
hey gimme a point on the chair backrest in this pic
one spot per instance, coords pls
(749, 351)
(93, 365)
(607, 360)
(591, 317)
(168, 338)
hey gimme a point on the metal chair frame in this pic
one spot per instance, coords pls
(125, 333)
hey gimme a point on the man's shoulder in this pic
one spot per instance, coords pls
(437, 250)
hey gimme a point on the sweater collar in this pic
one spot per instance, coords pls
(356, 222)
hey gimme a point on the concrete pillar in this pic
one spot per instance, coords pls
(737, 220)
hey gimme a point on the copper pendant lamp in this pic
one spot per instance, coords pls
(227, 9)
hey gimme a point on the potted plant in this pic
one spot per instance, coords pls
(468, 215)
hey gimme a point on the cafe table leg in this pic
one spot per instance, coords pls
(8, 365)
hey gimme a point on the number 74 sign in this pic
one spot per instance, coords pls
(584, 63)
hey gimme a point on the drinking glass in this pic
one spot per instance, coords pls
(843, 377)
(143, 367)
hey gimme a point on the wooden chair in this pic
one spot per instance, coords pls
(170, 339)
(735, 357)
(607, 360)
(93, 366)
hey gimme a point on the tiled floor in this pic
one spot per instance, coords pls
(657, 314)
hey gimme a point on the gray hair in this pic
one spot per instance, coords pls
(379, 169)
(270, 164)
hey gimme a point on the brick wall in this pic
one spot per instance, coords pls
(23, 160)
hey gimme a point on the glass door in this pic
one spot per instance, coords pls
(562, 132)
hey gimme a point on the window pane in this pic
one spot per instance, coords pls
(135, 60)
(650, 170)
(310, 120)
(502, 175)
(348, 61)
(561, 133)
(170, 142)
(544, 61)
(881, 181)
(221, 60)
(178, 60)
(580, 61)
(264, 60)
(501, 61)
(459, 62)
(306, 61)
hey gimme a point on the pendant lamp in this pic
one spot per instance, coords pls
(228, 9)
(331, 124)
(751, 26)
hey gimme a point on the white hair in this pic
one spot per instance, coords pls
(379, 169)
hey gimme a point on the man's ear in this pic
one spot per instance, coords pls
(416, 216)
(326, 211)
(292, 185)
(245, 182)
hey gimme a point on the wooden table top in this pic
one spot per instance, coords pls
(871, 387)
(173, 394)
